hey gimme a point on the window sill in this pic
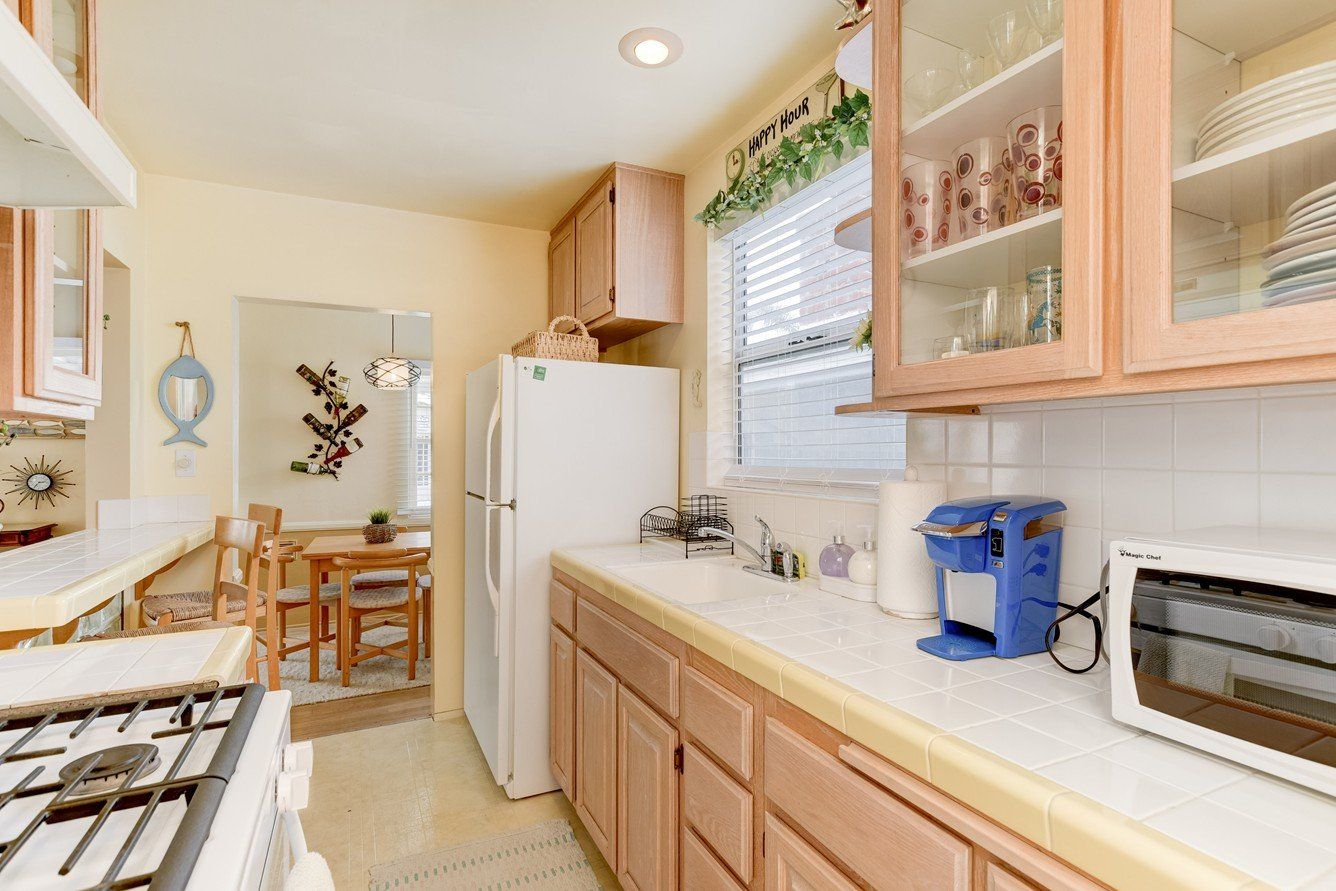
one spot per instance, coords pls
(851, 494)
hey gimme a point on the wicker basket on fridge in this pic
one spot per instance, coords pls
(549, 344)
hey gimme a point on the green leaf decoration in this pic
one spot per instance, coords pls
(847, 124)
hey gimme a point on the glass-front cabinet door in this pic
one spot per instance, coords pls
(62, 248)
(1229, 181)
(989, 135)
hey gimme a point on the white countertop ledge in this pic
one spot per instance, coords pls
(52, 583)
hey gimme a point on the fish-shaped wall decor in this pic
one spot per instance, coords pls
(187, 369)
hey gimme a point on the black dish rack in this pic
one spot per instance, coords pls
(688, 523)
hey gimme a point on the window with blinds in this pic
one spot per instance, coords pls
(414, 484)
(794, 300)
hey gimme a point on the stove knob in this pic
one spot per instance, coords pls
(1326, 648)
(1273, 637)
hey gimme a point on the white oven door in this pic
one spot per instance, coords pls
(1243, 669)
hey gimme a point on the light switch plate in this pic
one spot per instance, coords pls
(185, 462)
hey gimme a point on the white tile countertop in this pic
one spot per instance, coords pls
(50, 584)
(96, 667)
(1029, 713)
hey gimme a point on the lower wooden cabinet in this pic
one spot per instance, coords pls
(561, 710)
(646, 797)
(596, 753)
(791, 864)
(714, 784)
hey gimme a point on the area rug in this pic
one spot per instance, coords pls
(546, 856)
(378, 675)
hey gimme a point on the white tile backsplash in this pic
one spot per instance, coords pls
(1147, 465)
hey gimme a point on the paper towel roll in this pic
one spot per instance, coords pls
(906, 578)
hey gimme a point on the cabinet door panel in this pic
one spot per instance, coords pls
(561, 710)
(596, 753)
(561, 274)
(647, 829)
(594, 255)
(791, 864)
(700, 871)
(719, 809)
(719, 720)
(988, 271)
(1226, 204)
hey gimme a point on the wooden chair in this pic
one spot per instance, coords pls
(229, 601)
(356, 603)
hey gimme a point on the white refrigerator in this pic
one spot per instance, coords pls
(558, 454)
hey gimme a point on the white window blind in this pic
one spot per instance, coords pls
(794, 300)
(414, 473)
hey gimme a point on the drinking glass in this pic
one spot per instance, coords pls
(925, 204)
(1007, 33)
(990, 318)
(983, 187)
(971, 69)
(1034, 159)
(930, 88)
(1043, 304)
(1046, 15)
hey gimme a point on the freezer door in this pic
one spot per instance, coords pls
(489, 597)
(489, 431)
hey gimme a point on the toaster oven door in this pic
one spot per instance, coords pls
(1254, 662)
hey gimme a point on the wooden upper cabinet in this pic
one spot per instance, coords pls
(561, 284)
(987, 207)
(647, 828)
(51, 293)
(626, 258)
(594, 248)
(1229, 190)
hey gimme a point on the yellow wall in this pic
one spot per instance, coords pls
(66, 513)
(193, 247)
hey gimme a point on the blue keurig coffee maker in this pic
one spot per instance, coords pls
(997, 574)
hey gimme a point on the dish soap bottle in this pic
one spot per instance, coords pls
(863, 564)
(834, 561)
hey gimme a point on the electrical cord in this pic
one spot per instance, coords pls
(1083, 609)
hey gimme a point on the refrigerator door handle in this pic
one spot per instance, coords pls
(493, 592)
(493, 422)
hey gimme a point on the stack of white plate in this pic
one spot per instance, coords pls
(1301, 264)
(1281, 103)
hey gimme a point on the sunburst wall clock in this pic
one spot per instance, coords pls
(41, 482)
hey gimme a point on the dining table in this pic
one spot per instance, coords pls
(322, 551)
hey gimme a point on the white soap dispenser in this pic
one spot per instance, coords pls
(863, 564)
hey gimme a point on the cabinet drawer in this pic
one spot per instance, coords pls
(996, 878)
(719, 720)
(700, 871)
(883, 840)
(719, 809)
(561, 599)
(648, 668)
(791, 864)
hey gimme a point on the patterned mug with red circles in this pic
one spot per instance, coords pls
(925, 206)
(1034, 159)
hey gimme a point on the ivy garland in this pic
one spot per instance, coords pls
(847, 122)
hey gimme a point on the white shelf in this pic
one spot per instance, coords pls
(53, 151)
(1257, 181)
(987, 259)
(854, 60)
(855, 233)
(1031, 83)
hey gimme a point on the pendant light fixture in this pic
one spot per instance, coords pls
(391, 372)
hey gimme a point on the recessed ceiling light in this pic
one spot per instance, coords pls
(650, 47)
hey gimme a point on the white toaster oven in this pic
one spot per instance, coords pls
(1225, 639)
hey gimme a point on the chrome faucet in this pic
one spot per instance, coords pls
(763, 565)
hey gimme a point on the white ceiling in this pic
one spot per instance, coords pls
(500, 111)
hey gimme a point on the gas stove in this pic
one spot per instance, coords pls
(179, 788)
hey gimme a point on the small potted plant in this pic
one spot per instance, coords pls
(379, 530)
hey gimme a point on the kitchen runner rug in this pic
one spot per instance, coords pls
(378, 675)
(546, 857)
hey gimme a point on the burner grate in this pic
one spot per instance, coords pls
(70, 798)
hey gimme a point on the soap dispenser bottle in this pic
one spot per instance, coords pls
(834, 562)
(863, 564)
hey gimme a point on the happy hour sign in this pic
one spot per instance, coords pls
(812, 105)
